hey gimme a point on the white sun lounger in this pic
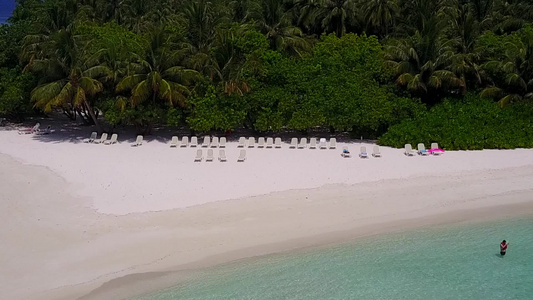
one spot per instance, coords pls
(251, 142)
(332, 143)
(174, 142)
(303, 143)
(242, 155)
(422, 149)
(433, 147)
(199, 155)
(242, 141)
(270, 142)
(345, 152)
(375, 151)
(277, 142)
(113, 139)
(92, 137)
(222, 155)
(184, 141)
(194, 141)
(222, 142)
(294, 143)
(323, 144)
(33, 129)
(312, 143)
(261, 142)
(102, 139)
(409, 150)
(207, 141)
(362, 153)
(214, 142)
(210, 155)
(139, 140)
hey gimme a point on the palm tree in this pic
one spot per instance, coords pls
(381, 14)
(337, 15)
(422, 64)
(276, 24)
(67, 80)
(512, 77)
(159, 76)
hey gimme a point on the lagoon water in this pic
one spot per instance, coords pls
(447, 262)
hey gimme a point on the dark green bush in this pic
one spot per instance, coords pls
(469, 124)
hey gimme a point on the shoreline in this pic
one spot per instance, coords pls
(49, 229)
(141, 284)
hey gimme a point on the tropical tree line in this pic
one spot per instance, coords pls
(268, 65)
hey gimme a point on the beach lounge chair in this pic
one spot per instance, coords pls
(277, 142)
(184, 141)
(251, 142)
(294, 143)
(345, 152)
(261, 142)
(209, 156)
(312, 143)
(174, 142)
(242, 141)
(270, 142)
(33, 129)
(375, 151)
(47, 130)
(422, 149)
(207, 141)
(139, 140)
(194, 141)
(332, 143)
(214, 142)
(242, 155)
(199, 155)
(362, 153)
(113, 139)
(222, 155)
(435, 150)
(102, 139)
(323, 144)
(92, 137)
(303, 143)
(409, 150)
(222, 142)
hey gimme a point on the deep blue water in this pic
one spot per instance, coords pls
(452, 262)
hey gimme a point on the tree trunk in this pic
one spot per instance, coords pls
(93, 116)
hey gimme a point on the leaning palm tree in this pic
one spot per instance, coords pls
(67, 80)
(159, 76)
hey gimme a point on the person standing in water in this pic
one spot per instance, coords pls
(503, 248)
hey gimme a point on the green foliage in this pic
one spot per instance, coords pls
(14, 92)
(212, 111)
(471, 124)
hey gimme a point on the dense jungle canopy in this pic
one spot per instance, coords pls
(458, 72)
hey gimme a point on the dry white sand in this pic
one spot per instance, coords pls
(76, 215)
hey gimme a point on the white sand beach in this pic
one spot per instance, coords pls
(86, 221)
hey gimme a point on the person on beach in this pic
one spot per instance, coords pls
(503, 248)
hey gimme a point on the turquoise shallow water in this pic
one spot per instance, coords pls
(452, 262)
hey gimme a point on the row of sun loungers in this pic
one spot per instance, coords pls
(221, 155)
(362, 154)
(214, 143)
(434, 150)
(36, 130)
(103, 139)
